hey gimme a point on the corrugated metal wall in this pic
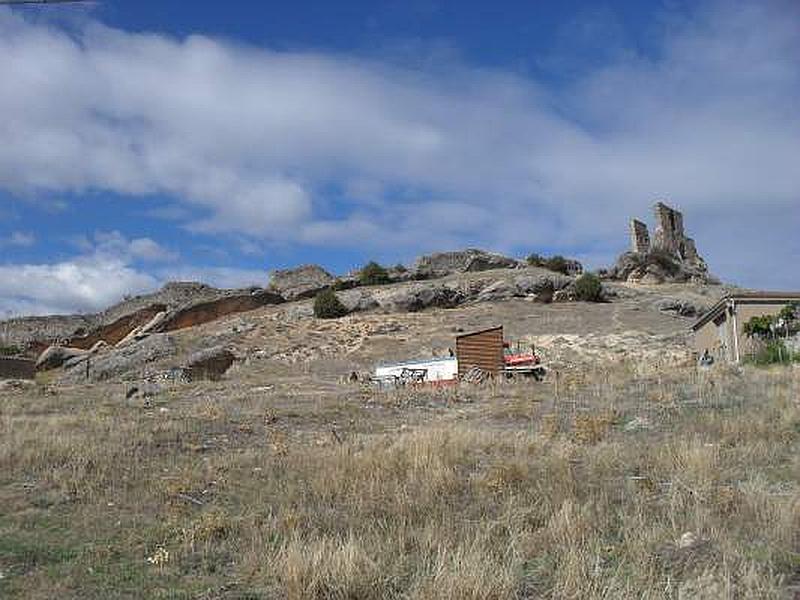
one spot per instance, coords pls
(482, 349)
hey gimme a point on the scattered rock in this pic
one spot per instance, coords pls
(683, 308)
(302, 282)
(211, 363)
(565, 295)
(689, 540)
(146, 390)
(8, 385)
(637, 424)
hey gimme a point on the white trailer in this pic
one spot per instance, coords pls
(424, 370)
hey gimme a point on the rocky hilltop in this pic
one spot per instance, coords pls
(139, 331)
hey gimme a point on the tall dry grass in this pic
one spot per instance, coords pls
(673, 485)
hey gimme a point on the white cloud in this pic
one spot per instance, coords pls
(448, 155)
(115, 244)
(84, 284)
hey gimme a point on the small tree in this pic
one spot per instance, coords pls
(373, 274)
(760, 326)
(588, 288)
(557, 263)
(535, 260)
(328, 306)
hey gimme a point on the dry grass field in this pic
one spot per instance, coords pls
(617, 484)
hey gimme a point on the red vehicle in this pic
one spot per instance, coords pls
(522, 363)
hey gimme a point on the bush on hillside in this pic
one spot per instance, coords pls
(772, 352)
(9, 351)
(588, 288)
(328, 306)
(535, 260)
(759, 326)
(556, 263)
(373, 274)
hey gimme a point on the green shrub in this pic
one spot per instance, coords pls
(557, 263)
(328, 306)
(772, 352)
(790, 312)
(344, 284)
(759, 326)
(9, 351)
(373, 274)
(535, 260)
(400, 268)
(588, 288)
(663, 259)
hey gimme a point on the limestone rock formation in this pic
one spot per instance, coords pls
(302, 282)
(442, 264)
(419, 297)
(211, 363)
(128, 361)
(55, 356)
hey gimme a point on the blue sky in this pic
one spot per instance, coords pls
(149, 141)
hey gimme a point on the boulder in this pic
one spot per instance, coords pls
(357, 300)
(441, 264)
(565, 295)
(419, 297)
(682, 308)
(498, 290)
(125, 361)
(302, 282)
(56, 356)
(211, 363)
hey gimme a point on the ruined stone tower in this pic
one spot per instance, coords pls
(669, 236)
(640, 238)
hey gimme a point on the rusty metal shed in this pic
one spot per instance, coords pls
(481, 349)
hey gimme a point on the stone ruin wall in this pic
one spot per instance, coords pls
(640, 237)
(669, 236)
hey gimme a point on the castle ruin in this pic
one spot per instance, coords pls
(669, 236)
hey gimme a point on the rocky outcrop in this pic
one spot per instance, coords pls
(302, 282)
(117, 330)
(656, 267)
(210, 364)
(357, 300)
(55, 357)
(128, 361)
(35, 334)
(195, 314)
(442, 264)
(418, 297)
